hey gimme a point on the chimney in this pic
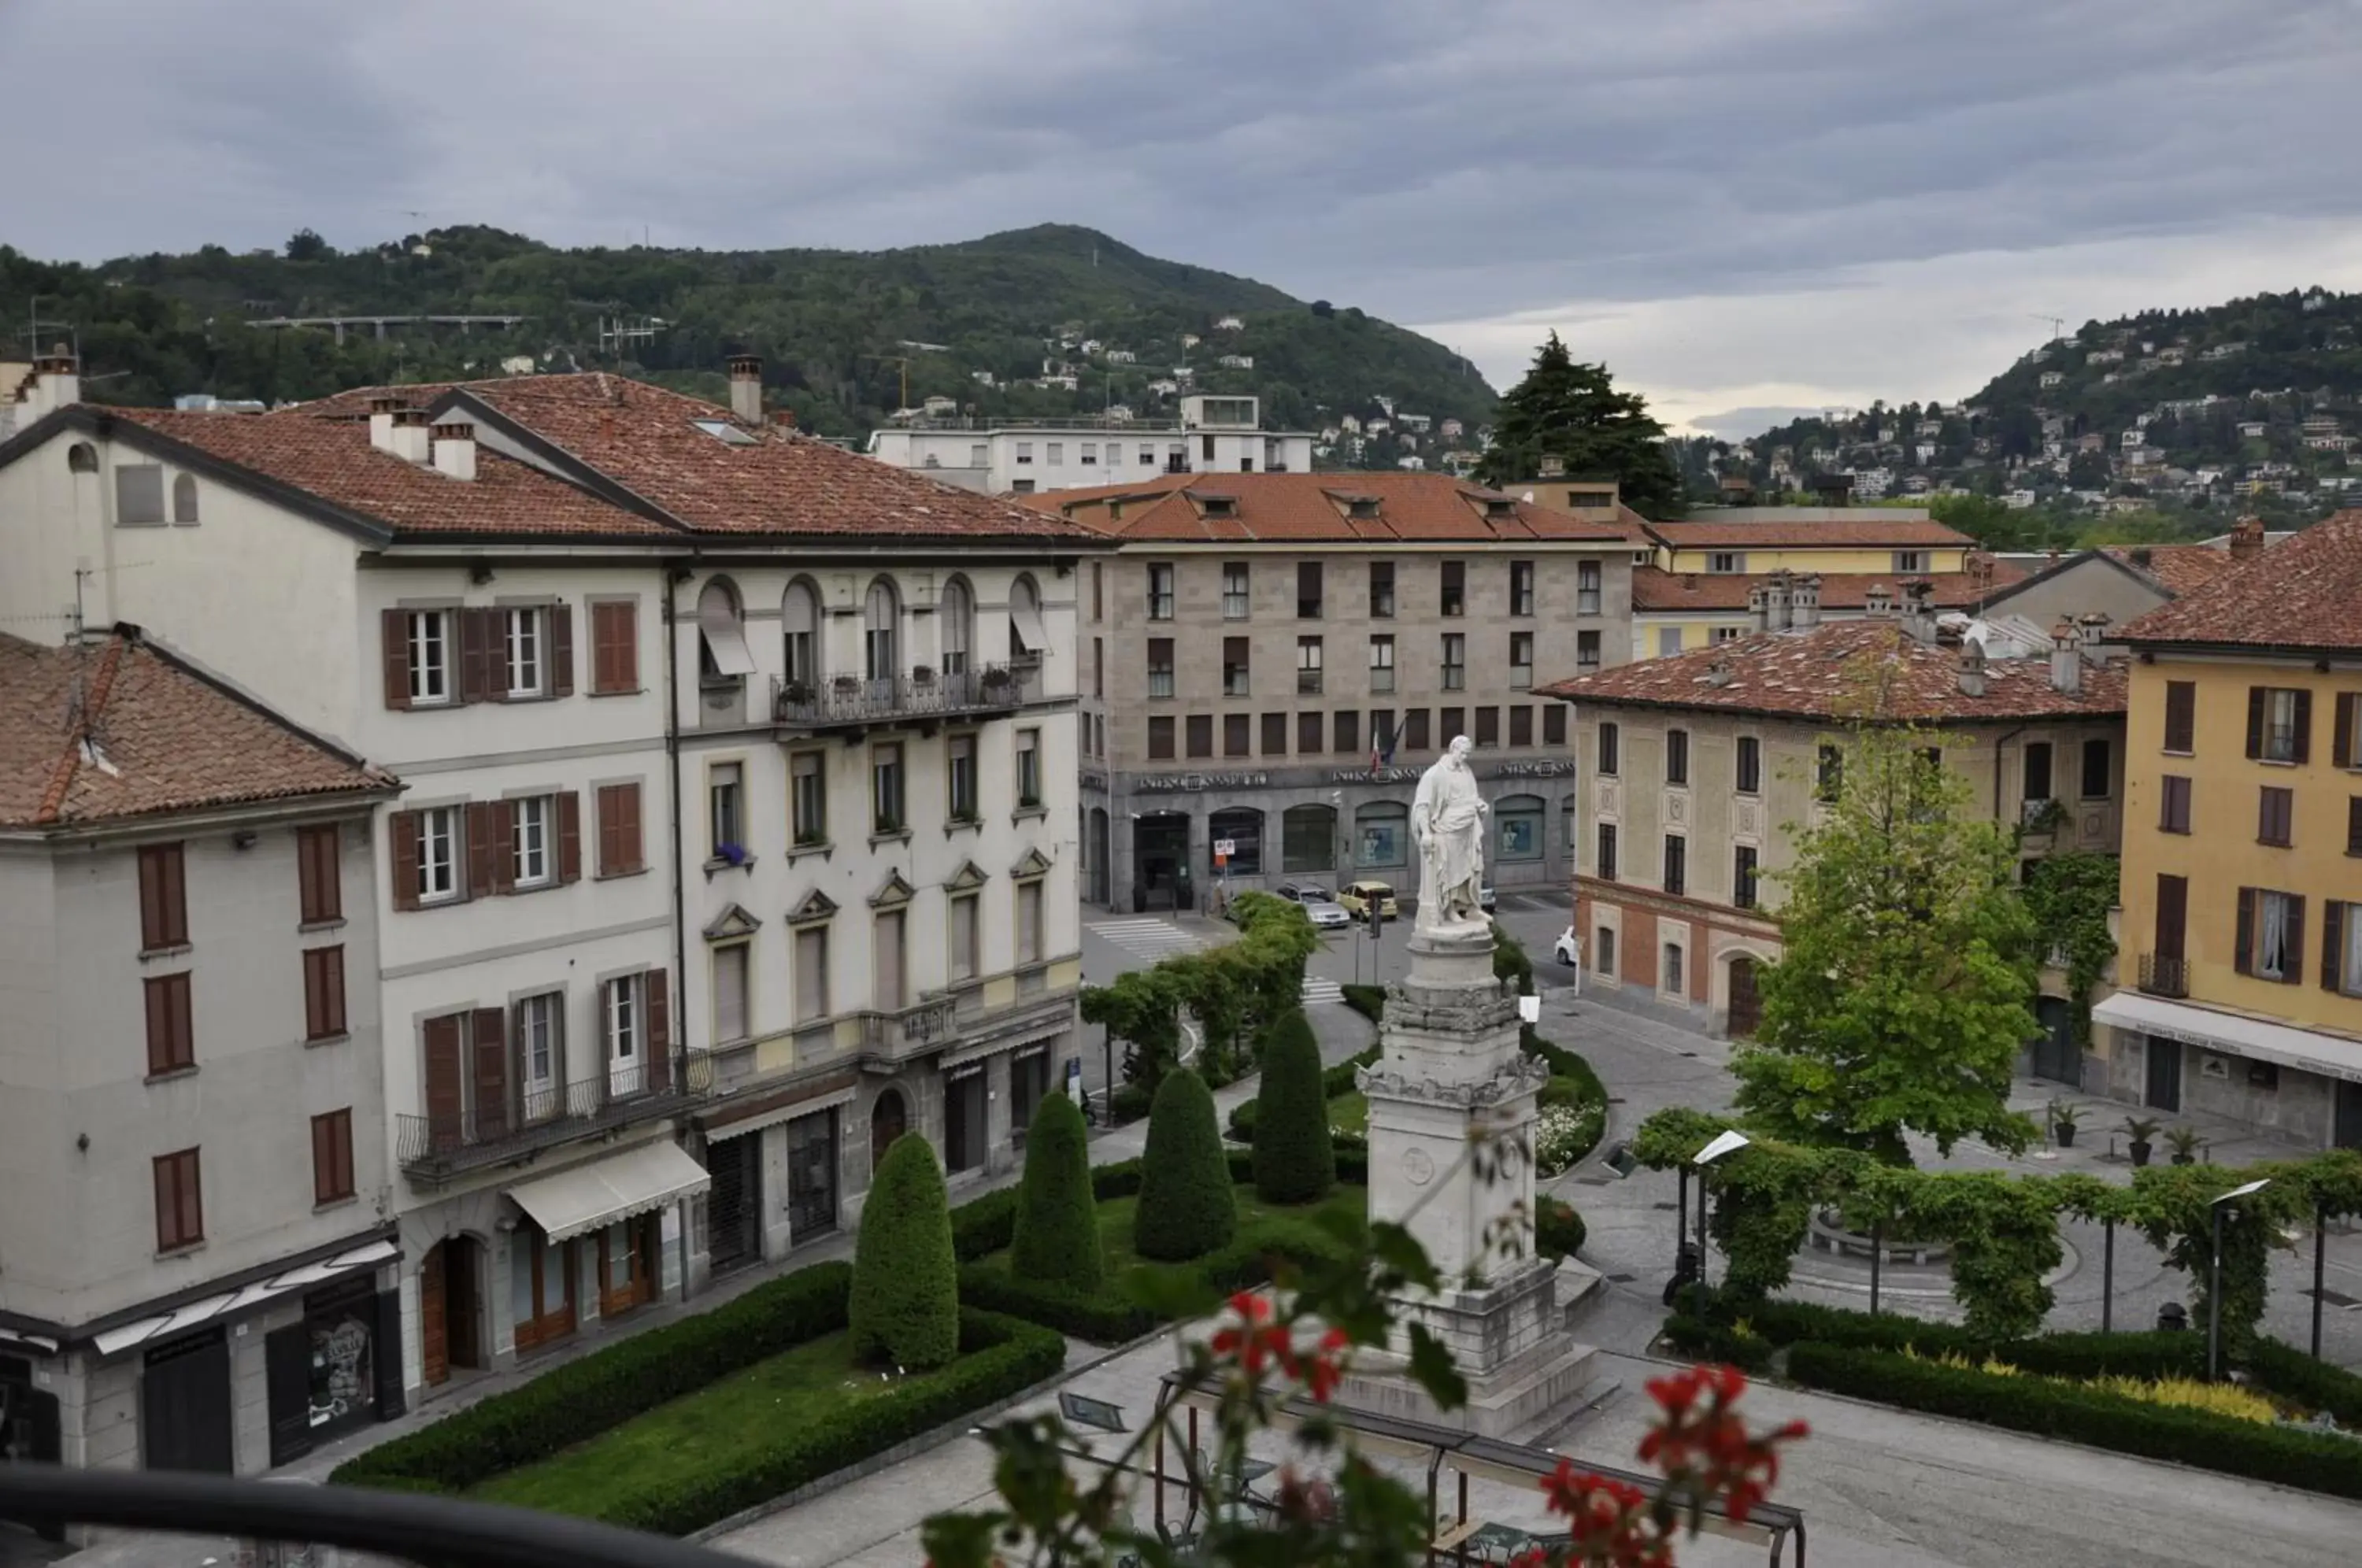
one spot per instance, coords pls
(2143, 555)
(2246, 538)
(785, 418)
(1718, 673)
(1919, 611)
(1553, 466)
(1776, 613)
(1972, 668)
(56, 382)
(2094, 627)
(1805, 603)
(1756, 609)
(1981, 571)
(454, 449)
(1878, 601)
(410, 438)
(2066, 656)
(381, 415)
(747, 389)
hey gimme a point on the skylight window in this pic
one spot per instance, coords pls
(721, 430)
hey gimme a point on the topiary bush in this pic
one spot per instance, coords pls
(905, 1305)
(1293, 1160)
(1186, 1209)
(1056, 1241)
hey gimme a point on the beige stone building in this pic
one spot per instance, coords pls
(1271, 660)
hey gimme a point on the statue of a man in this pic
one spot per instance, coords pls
(1447, 823)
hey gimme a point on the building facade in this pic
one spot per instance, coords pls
(1270, 662)
(1214, 435)
(2241, 931)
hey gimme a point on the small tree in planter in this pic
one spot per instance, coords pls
(2141, 1130)
(2064, 1120)
(2183, 1141)
(1295, 1160)
(1186, 1208)
(1057, 1235)
(904, 1310)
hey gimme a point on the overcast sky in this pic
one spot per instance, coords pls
(1740, 204)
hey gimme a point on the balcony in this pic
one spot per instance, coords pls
(921, 697)
(434, 1148)
(890, 1039)
(2164, 977)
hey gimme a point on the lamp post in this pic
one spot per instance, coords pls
(1724, 1143)
(2214, 1276)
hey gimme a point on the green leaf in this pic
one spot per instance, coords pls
(1399, 1250)
(1432, 1367)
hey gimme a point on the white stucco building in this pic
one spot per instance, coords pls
(1214, 435)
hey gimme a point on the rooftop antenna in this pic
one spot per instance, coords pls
(2058, 325)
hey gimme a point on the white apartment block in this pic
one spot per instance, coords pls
(1214, 435)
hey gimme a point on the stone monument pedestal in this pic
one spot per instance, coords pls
(1451, 1110)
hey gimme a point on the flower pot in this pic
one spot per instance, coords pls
(2140, 1153)
(2185, 1159)
(2065, 1133)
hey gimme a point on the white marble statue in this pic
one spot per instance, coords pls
(1447, 823)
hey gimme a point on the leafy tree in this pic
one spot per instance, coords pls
(1142, 1008)
(1901, 997)
(1187, 1207)
(1295, 1160)
(1993, 524)
(2070, 895)
(904, 1310)
(307, 246)
(1565, 408)
(1057, 1235)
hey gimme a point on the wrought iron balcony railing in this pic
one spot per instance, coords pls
(442, 1144)
(851, 702)
(2164, 977)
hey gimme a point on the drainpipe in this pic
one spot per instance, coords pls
(668, 578)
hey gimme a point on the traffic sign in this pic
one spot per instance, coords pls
(1225, 847)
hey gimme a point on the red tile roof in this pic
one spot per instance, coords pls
(165, 738)
(2304, 592)
(1661, 591)
(2178, 569)
(1317, 507)
(1869, 532)
(1818, 674)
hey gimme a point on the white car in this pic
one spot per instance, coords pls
(1568, 951)
(1321, 905)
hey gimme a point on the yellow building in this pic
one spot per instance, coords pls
(2241, 946)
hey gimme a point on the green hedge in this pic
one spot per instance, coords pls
(1056, 1238)
(1334, 1081)
(905, 1308)
(1370, 1001)
(2148, 1354)
(1706, 1340)
(2315, 1384)
(1295, 1160)
(1188, 1206)
(1559, 1230)
(2319, 1462)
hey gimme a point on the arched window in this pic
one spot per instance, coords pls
(1242, 828)
(1518, 828)
(1308, 839)
(1382, 835)
(722, 628)
(1028, 638)
(880, 617)
(957, 617)
(82, 457)
(800, 627)
(185, 498)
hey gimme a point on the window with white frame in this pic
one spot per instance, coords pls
(960, 778)
(808, 796)
(724, 784)
(1586, 588)
(731, 1010)
(430, 656)
(1235, 596)
(1160, 593)
(955, 626)
(540, 1052)
(531, 825)
(627, 1029)
(525, 630)
(800, 631)
(1029, 768)
(1058, 453)
(881, 618)
(886, 790)
(438, 853)
(1382, 662)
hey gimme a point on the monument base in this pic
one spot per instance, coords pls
(1509, 1340)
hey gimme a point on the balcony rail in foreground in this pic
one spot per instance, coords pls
(442, 1144)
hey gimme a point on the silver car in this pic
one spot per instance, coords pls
(1321, 905)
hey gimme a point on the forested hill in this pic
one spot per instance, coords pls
(830, 324)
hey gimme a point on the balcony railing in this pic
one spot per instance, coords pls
(851, 702)
(2164, 977)
(439, 1145)
(891, 1037)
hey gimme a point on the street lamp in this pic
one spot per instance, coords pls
(1724, 1143)
(2215, 1277)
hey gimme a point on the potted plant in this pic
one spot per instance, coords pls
(2141, 1130)
(2064, 1118)
(2183, 1141)
(730, 853)
(922, 675)
(996, 677)
(797, 694)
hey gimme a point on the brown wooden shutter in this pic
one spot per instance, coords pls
(319, 873)
(2303, 726)
(163, 898)
(403, 826)
(2254, 721)
(569, 836)
(2292, 966)
(475, 628)
(324, 1159)
(2354, 825)
(160, 1026)
(660, 1015)
(151, 904)
(394, 636)
(2341, 730)
(501, 815)
(2242, 960)
(2172, 915)
(627, 647)
(313, 999)
(561, 651)
(324, 992)
(2333, 937)
(492, 1048)
(635, 852)
(607, 806)
(441, 1052)
(482, 858)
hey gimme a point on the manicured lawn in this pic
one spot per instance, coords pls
(1349, 1114)
(695, 1433)
(1116, 1215)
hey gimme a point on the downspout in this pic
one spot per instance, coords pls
(669, 577)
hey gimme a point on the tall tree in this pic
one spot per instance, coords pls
(1901, 996)
(1565, 408)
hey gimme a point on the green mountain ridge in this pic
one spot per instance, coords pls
(832, 326)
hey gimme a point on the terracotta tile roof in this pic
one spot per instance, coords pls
(1659, 592)
(327, 454)
(2304, 592)
(1901, 533)
(2178, 568)
(1813, 675)
(166, 739)
(1268, 508)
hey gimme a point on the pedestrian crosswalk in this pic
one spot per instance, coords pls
(1319, 990)
(1150, 939)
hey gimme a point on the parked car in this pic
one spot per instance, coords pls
(1321, 906)
(1358, 897)
(1485, 897)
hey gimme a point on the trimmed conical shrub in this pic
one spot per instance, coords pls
(1186, 1208)
(1294, 1159)
(1057, 1238)
(905, 1306)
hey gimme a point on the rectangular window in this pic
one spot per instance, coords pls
(1090, 453)
(1554, 725)
(2036, 769)
(523, 639)
(1098, 576)
(1750, 766)
(319, 874)
(1910, 560)
(1235, 595)
(1274, 735)
(731, 1009)
(1382, 591)
(615, 647)
(618, 806)
(1521, 587)
(1669, 641)
(163, 898)
(438, 853)
(725, 826)
(2181, 716)
(1742, 876)
(1602, 960)
(1588, 576)
(2280, 722)
(1307, 665)
(430, 656)
(324, 993)
(1237, 678)
(1160, 593)
(1346, 730)
(959, 779)
(540, 1052)
(2275, 816)
(1382, 662)
(2173, 804)
(1238, 734)
(1607, 857)
(1200, 733)
(1677, 863)
(2345, 737)
(1677, 756)
(627, 1030)
(966, 934)
(1611, 749)
(1828, 772)
(2341, 948)
(811, 973)
(2099, 766)
(1029, 769)
(1160, 667)
(1673, 971)
(1160, 738)
(1309, 731)
(2270, 944)
(332, 1158)
(138, 493)
(1382, 733)
(890, 983)
(1056, 454)
(1028, 922)
(1026, 452)
(1453, 721)
(1726, 561)
(885, 815)
(1521, 725)
(1455, 587)
(1521, 660)
(1586, 652)
(1456, 661)
(1728, 634)
(1307, 591)
(171, 1039)
(179, 1202)
(1414, 731)
(532, 825)
(1488, 726)
(2354, 825)
(1099, 667)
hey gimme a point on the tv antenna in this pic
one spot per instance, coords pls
(2058, 324)
(903, 360)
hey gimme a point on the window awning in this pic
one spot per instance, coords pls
(726, 634)
(237, 1301)
(2309, 1050)
(793, 1110)
(574, 1202)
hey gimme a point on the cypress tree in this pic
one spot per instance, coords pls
(1186, 1208)
(905, 1306)
(1295, 1160)
(1057, 1239)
